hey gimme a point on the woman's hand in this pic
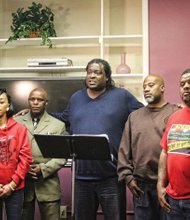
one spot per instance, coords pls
(5, 191)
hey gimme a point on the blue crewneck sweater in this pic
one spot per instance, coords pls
(105, 114)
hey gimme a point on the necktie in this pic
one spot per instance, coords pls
(35, 122)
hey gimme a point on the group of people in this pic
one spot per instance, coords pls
(150, 151)
(25, 175)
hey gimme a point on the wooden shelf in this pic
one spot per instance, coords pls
(123, 40)
(81, 41)
(65, 69)
(115, 75)
(77, 41)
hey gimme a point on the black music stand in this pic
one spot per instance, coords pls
(84, 147)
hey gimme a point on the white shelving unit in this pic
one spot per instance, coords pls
(65, 69)
(85, 30)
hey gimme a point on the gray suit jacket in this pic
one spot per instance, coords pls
(47, 188)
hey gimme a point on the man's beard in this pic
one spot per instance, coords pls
(186, 101)
(152, 100)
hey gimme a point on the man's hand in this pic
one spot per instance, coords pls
(22, 112)
(162, 198)
(136, 191)
(180, 105)
(35, 171)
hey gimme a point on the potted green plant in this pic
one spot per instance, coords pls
(36, 21)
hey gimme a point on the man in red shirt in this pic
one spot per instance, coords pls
(174, 166)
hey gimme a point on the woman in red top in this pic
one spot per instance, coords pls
(15, 159)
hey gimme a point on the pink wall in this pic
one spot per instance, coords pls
(169, 42)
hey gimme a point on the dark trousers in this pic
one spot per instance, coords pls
(180, 209)
(13, 205)
(147, 207)
(109, 194)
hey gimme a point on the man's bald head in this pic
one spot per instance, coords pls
(158, 79)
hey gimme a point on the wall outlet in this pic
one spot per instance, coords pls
(63, 212)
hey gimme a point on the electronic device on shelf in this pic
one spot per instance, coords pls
(49, 62)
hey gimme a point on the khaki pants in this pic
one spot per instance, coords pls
(48, 210)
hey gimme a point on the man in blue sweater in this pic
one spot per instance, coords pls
(100, 108)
